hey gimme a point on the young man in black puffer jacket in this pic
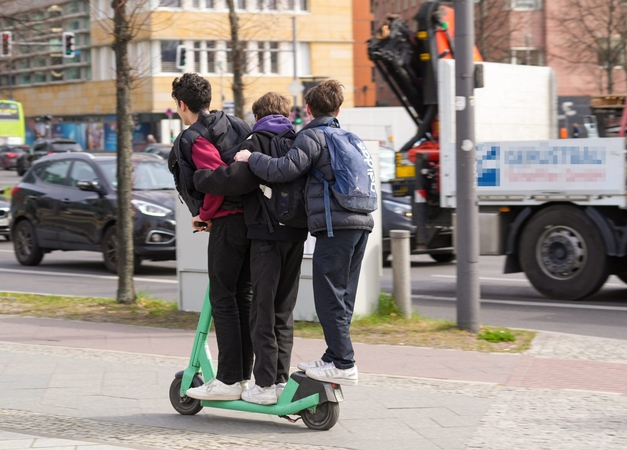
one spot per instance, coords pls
(275, 256)
(336, 260)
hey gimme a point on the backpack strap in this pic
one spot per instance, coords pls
(327, 202)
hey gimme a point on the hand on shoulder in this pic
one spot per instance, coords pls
(242, 156)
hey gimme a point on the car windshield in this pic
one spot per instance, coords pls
(66, 147)
(147, 175)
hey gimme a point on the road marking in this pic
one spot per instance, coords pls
(84, 275)
(522, 303)
(518, 280)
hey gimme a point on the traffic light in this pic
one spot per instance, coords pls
(297, 115)
(6, 44)
(67, 40)
(181, 57)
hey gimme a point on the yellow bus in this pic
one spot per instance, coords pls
(12, 125)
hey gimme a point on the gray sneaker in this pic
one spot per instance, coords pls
(260, 395)
(279, 389)
(216, 390)
(311, 364)
(331, 374)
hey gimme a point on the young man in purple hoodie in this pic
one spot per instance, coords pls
(275, 256)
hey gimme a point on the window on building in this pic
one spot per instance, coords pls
(272, 5)
(526, 4)
(170, 3)
(168, 56)
(291, 5)
(274, 57)
(211, 57)
(610, 52)
(527, 56)
(240, 4)
(304, 5)
(373, 75)
(259, 4)
(209, 4)
(229, 57)
(304, 59)
(39, 77)
(72, 73)
(261, 57)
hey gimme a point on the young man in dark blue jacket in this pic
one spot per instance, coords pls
(336, 260)
(275, 256)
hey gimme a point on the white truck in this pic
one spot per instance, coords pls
(556, 207)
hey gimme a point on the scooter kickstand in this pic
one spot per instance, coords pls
(289, 419)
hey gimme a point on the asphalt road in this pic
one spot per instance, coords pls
(507, 300)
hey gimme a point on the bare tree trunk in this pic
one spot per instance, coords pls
(122, 36)
(239, 61)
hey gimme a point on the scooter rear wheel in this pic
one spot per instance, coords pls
(324, 418)
(184, 405)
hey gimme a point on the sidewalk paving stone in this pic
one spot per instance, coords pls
(106, 385)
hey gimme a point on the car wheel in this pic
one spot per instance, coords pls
(20, 169)
(110, 251)
(563, 254)
(442, 257)
(27, 251)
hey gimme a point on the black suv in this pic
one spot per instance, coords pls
(68, 202)
(42, 147)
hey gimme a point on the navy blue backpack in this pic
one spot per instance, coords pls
(353, 169)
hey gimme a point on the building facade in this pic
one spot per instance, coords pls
(79, 92)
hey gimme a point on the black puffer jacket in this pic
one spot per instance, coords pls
(310, 150)
(237, 179)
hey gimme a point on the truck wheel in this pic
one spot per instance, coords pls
(563, 254)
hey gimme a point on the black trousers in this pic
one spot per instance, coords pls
(275, 268)
(230, 295)
(336, 266)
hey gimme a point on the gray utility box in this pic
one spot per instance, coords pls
(191, 267)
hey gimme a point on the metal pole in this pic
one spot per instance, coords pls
(295, 55)
(467, 228)
(401, 270)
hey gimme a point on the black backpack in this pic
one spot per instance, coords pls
(286, 202)
(226, 135)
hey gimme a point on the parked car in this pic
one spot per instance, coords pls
(161, 150)
(9, 155)
(5, 218)
(68, 201)
(42, 147)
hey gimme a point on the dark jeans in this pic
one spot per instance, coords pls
(336, 266)
(230, 295)
(275, 268)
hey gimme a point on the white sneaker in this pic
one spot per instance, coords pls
(279, 389)
(216, 390)
(311, 364)
(260, 395)
(332, 374)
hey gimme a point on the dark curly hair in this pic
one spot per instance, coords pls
(325, 98)
(193, 90)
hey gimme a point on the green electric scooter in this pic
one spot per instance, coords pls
(317, 403)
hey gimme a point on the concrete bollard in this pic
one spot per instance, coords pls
(401, 273)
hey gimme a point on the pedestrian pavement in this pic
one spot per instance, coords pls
(96, 386)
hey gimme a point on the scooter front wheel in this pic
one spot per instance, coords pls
(321, 417)
(184, 405)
